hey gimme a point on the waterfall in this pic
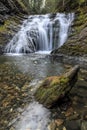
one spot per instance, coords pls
(65, 23)
(41, 33)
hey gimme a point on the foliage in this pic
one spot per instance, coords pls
(35, 5)
(50, 5)
(69, 5)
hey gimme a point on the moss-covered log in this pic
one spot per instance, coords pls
(55, 87)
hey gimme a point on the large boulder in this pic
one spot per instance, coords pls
(55, 87)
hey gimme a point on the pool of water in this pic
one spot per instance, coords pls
(38, 66)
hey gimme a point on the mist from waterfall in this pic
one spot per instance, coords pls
(41, 33)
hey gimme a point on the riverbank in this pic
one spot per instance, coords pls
(72, 60)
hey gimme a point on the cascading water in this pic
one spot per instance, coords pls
(41, 33)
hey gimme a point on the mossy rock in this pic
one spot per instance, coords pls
(55, 87)
(8, 30)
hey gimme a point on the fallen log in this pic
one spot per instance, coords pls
(55, 87)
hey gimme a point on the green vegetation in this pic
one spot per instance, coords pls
(23, 5)
(70, 5)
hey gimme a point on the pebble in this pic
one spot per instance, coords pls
(52, 125)
(64, 128)
(73, 117)
(59, 122)
(69, 112)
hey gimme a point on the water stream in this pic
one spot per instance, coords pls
(37, 66)
(36, 117)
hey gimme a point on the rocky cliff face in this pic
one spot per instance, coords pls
(11, 15)
(76, 45)
(9, 7)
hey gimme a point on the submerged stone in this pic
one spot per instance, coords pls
(55, 87)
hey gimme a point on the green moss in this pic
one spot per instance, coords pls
(80, 22)
(4, 27)
(7, 29)
(55, 86)
(63, 80)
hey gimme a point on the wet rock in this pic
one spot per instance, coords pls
(52, 126)
(73, 125)
(57, 114)
(1, 49)
(73, 117)
(59, 122)
(69, 112)
(1, 19)
(56, 87)
(85, 116)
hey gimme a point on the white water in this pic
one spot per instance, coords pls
(64, 28)
(41, 33)
(36, 117)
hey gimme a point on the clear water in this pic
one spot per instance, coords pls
(37, 65)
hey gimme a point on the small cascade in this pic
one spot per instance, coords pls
(41, 33)
(65, 23)
(35, 117)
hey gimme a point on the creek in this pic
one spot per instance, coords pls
(36, 66)
(39, 35)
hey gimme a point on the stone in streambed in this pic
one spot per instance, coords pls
(55, 87)
(84, 125)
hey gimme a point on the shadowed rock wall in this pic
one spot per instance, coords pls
(12, 13)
